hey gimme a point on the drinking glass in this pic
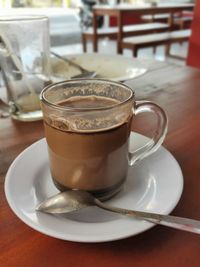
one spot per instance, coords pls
(87, 127)
(25, 63)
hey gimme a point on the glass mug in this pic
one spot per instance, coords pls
(87, 127)
(24, 63)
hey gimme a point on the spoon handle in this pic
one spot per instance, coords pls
(68, 61)
(179, 223)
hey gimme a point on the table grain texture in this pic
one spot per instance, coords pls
(177, 90)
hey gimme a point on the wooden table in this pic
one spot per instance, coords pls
(177, 90)
(122, 10)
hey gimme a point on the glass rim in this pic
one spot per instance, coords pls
(64, 108)
(22, 18)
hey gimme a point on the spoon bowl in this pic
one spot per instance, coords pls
(65, 202)
(74, 200)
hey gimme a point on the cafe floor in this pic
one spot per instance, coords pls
(109, 47)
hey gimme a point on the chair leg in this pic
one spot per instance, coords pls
(154, 50)
(84, 42)
(135, 51)
(95, 44)
(167, 49)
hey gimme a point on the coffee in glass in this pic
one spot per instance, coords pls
(87, 127)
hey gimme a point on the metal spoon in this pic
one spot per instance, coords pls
(84, 73)
(74, 200)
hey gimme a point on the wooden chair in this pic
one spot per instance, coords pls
(180, 20)
(129, 30)
(193, 58)
(153, 40)
(163, 18)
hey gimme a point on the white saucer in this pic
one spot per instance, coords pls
(111, 67)
(154, 185)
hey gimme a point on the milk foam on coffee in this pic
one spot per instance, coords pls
(87, 121)
(89, 150)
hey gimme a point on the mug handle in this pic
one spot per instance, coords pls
(162, 125)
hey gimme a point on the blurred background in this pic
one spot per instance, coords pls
(67, 18)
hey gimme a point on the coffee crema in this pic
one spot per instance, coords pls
(85, 102)
(90, 118)
(92, 161)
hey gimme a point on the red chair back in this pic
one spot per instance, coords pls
(193, 58)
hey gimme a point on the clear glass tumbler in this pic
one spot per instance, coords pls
(25, 63)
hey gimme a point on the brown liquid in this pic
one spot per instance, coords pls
(89, 102)
(94, 161)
